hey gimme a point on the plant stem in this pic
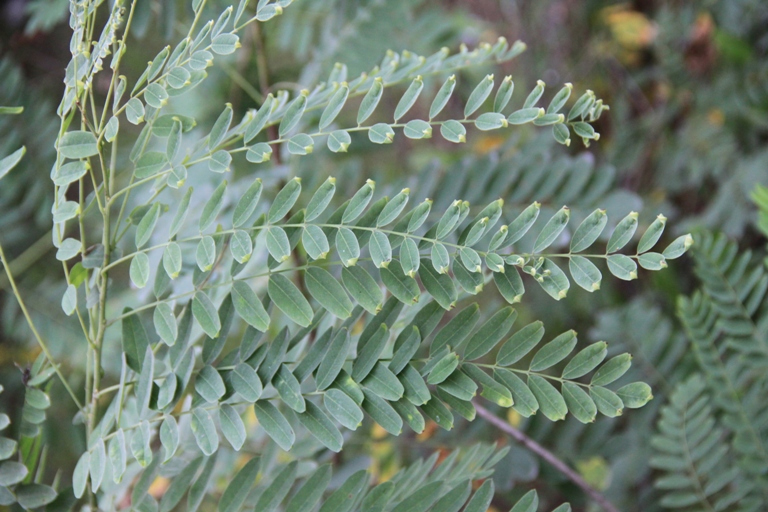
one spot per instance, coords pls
(39, 339)
(548, 456)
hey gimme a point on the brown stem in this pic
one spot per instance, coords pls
(548, 456)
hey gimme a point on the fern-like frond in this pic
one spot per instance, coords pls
(693, 454)
(725, 323)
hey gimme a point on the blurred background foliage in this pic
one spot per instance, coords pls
(687, 82)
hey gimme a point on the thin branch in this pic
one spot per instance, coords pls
(548, 456)
(39, 339)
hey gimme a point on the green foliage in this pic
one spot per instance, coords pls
(288, 305)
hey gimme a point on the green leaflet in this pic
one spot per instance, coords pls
(444, 367)
(635, 395)
(550, 400)
(237, 491)
(522, 342)
(490, 333)
(410, 414)
(275, 424)
(409, 98)
(509, 284)
(277, 489)
(607, 402)
(524, 400)
(77, 144)
(332, 363)
(585, 273)
(481, 500)
(362, 287)
(579, 403)
(459, 385)
(588, 231)
(241, 246)
(135, 341)
(246, 205)
(180, 485)
(212, 206)
(205, 255)
(534, 95)
(278, 245)
(612, 370)
(415, 390)
(181, 213)
(585, 361)
(383, 383)
(453, 131)
(334, 106)
(442, 96)
(417, 129)
(344, 498)
(455, 331)
(289, 299)
(347, 246)
(293, 114)
(343, 408)
(409, 257)
(381, 250)
(478, 95)
(623, 233)
(147, 225)
(172, 260)
(289, 389)
(144, 384)
(382, 413)
(422, 498)
(559, 100)
(246, 383)
(169, 438)
(553, 280)
(232, 426)
(438, 412)
(248, 306)
(440, 286)
(359, 202)
(321, 199)
(622, 267)
(371, 100)
(306, 497)
(118, 455)
(206, 315)
(522, 223)
(321, 427)
(368, 353)
(554, 351)
(504, 94)
(284, 200)
(328, 292)
(404, 287)
(552, 229)
(139, 270)
(209, 384)
(525, 115)
(339, 141)
(204, 431)
(652, 234)
(528, 503)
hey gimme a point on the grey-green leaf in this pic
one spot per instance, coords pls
(206, 314)
(204, 431)
(327, 290)
(248, 306)
(289, 299)
(275, 424)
